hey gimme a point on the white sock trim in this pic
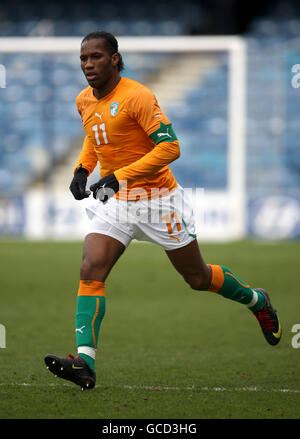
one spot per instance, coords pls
(87, 350)
(254, 299)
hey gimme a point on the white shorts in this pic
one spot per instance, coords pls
(167, 221)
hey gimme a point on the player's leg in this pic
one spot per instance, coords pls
(189, 263)
(100, 253)
(200, 276)
(216, 278)
(174, 229)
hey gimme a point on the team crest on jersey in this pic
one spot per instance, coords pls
(114, 106)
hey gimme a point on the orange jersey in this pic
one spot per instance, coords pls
(129, 135)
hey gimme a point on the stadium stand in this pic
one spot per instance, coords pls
(41, 94)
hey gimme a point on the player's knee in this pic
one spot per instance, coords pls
(85, 268)
(92, 269)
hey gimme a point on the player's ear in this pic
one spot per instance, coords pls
(115, 59)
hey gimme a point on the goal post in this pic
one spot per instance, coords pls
(234, 194)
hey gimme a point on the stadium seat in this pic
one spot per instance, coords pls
(42, 88)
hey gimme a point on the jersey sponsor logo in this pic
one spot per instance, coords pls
(114, 106)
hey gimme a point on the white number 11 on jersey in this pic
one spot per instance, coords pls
(102, 128)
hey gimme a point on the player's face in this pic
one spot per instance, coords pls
(97, 64)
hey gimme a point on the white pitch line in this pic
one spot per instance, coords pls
(163, 388)
(214, 389)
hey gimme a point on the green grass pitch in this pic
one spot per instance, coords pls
(166, 351)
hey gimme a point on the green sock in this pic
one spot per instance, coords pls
(91, 305)
(228, 285)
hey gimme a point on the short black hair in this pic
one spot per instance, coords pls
(111, 43)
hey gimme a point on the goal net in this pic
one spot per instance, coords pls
(200, 83)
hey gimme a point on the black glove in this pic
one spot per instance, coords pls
(78, 184)
(105, 188)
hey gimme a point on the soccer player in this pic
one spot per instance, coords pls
(137, 197)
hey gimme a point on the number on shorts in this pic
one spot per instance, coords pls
(167, 220)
